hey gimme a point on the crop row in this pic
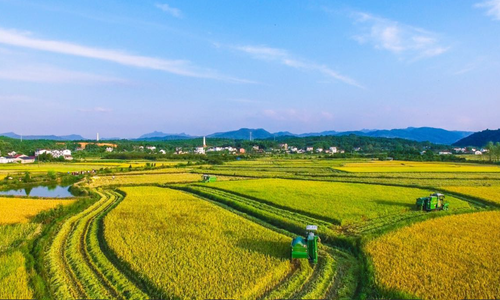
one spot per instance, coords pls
(78, 267)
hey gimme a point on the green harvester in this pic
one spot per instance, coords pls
(306, 247)
(433, 202)
(208, 178)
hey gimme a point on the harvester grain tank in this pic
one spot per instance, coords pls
(306, 247)
(433, 202)
(208, 178)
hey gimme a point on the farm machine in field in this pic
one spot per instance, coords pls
(306, 247)
(433, 202)
(208, 178)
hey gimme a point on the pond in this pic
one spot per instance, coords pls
(40, 191)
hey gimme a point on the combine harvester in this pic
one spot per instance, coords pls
(433, 202)
(208, 178)
(306, 247)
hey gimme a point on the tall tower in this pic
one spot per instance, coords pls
(97, 137)
(204, 142)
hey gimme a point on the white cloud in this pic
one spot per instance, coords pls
(403, 40)
(97, 109)
(283, 57)
(170, 10)
(492, 7)
(50, 74)
(178, 67)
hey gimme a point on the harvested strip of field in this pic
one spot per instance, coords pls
(412, 167)
(345, 202)
(14, 282)
(455, 257)
(77, 265)
(192, 249)
(20, 210)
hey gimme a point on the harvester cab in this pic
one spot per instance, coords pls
(306, 247)
(433, 202)
(208, 178)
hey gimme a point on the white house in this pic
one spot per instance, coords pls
(163, 151)
(199, 150)
(13, 153)
(6, 160)
(333, 149)
(319, 150)
(309, 149)
(478, 153)
(445, 153)
(109, 149)
(152, 148)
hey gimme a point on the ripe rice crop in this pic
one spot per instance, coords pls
(20, 210)
(490, 193)
(13, 277)
(192, 249)
(455, 257)
(344, 202)
(144, 179)
(10, 234)
(411, 167)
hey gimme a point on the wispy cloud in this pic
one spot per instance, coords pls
(170, 10)
(403, 40)
(178, 67)
(97, 109)
(285, 58)
(50, 74)
(492, 8)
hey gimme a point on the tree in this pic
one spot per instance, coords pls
(491, 149)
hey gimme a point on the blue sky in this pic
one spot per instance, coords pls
(124, 68)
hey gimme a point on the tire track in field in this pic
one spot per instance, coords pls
(82, 270)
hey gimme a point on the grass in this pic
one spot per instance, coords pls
(344, 203)
(21, 210)
(455, 257)
(203, 251)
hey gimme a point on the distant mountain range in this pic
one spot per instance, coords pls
(433, 135)
(71, 137)
(480, 139)
(161, 136)
(422, 134)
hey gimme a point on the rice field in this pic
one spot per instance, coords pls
(202, 251)
(490, 193)
(14, 281)
(454, 257)
(21, 210)
(343, 202)
(416, 167)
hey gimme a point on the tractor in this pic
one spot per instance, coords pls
(208, 178)
(433, 202)
(306, 247)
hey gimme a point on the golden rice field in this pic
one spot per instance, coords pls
(153, 178)
(20, 210)
(415, 167)
(454, 257)
(346, 202)
(14, 280)
(490, 193)
(191, 249)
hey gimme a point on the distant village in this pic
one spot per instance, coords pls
(66, 155)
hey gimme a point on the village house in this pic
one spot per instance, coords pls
(333, 150)
(309, 149)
